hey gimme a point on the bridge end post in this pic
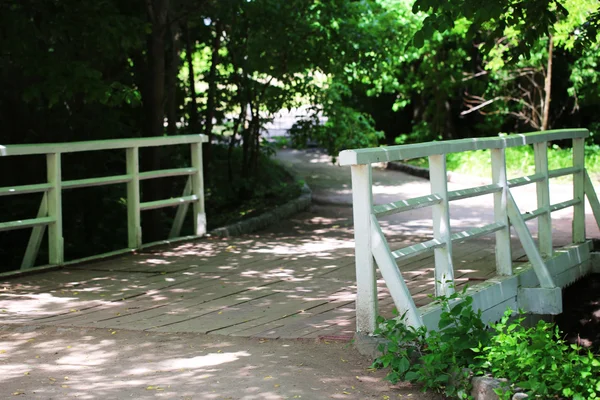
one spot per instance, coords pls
(503, 248)
(55, 229)
(198, 190)
(444, 269)
(134, 225)
(366, 280)
(579, 191)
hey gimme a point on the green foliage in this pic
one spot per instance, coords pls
(438, 360)
(519, 161)
(539, 361)
(535, 360)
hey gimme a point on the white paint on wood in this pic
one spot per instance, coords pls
(366, 280)
(528, 244)
(406, 152)
(151, 205)
(503, 249)
(134, 225)
(55, 231)
(477, 232)
(25, 223)
(543, 301)
(590, 192)
(406, 205)
(525, 180)
(198, 190)
(181, 212)
(105, 180)
(164, 173)
(37, 234)
(555, 173)
(578, 191)
(473, 192)
(444, 270)
(25, 189)
(72, 147)
(392, 276)
(543, 199)
(416, 249)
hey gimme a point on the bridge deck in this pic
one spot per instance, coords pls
(273, 285)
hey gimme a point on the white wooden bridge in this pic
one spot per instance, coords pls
(300, 279)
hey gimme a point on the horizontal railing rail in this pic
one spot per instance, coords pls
(371, 245)
(50, 210)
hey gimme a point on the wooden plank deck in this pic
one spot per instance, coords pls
(299, 285)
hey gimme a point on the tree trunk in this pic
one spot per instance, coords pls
(172, 71)
(212, 89)
(548, 85)
(157, 11)
(189, 52)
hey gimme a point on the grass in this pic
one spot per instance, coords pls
(519, 161)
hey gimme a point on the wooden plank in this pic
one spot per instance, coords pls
(71, 147)
(164, 173)
(25, 189)
(134, 221)
(564, 204)
(543, 199)
(590, 192)
(406, 205)
(417, 249)
(150, 205)
(477, 232)
(197, 180)
(474, 192)
(579, 191)
(503, 249)
(55, 230)
(26, 223)
(406, 152)
(392, 276)
(91, 182)
(555, 173)
(181, 211)
(529, 246)
(444, 273)
(525, 180)
(366, 280)
(37, 234)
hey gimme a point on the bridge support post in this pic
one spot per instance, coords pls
(197, 179)
(503, 250)
(579, 191)
(444, 270)
(366, 280)
(543, 199)
(134, 225)
(55, 229)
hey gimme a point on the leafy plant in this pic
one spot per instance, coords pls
(438, 360)
(539, 361)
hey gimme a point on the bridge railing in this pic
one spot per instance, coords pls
(50, 213)
(372, 245)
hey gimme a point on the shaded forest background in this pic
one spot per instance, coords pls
(376, 71)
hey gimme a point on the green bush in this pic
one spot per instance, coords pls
(539, 361)
(535, 360)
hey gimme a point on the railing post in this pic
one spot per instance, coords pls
(503, 249)
(134, 226)
(543, 198)
(444, 270)
(579, 191)
(55, 229)
(198, 190)
(366, 280)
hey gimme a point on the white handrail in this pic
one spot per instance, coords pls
(50, 212)
(371, 242)
(407, 152)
